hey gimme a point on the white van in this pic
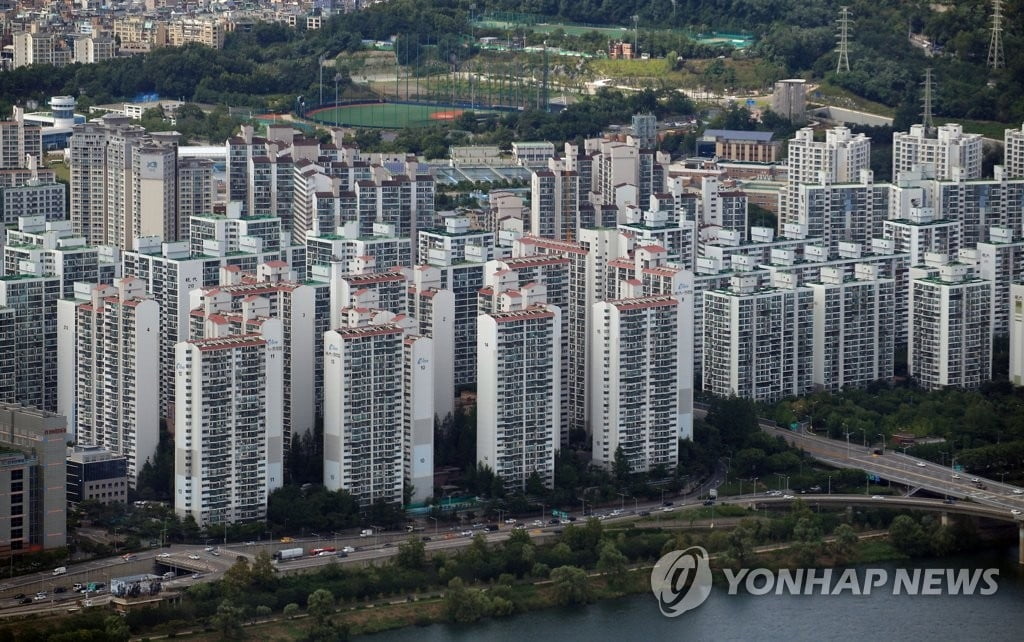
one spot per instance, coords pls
(367, 532)
(60, 570)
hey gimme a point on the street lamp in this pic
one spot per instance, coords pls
(337, 79)
(847, 444)
(435, 523)
(622, 500)
(882, 437)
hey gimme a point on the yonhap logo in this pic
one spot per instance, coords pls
(681, 580)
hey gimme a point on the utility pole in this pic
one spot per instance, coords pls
(843, 63)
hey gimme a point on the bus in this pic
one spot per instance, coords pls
(326, 549)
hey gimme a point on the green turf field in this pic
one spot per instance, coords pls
(388, 115)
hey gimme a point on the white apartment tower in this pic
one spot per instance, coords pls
(634, 378)
(555, 204)
(854, 328)
(518, 391)
(108, 344)
(34, 322)
(1016, 313)
(948, 149)
(363, 409)
(1013, 154)
(418, 379)
(950, 337)
(837, 159)
(227, 438)
(759, 341)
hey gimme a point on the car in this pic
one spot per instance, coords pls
(666, 503)
(215, 553)
(467, 533)
(87, 603)
(644, 513)
(60, 589)
(956, 476)
(339, 554)
(949, 500)
(19, 596)
(425, 538)
(553, 521)
(26, 600)
(193, 556)
(787, 497)
(250, 543)
(39, 597)
(510, 520)
(196, 576)
(537, 522)
(1014, 512)
(877, 497)
(709, 502)
(164, 555)
(975, 480)
(921, 464)
(1017, 491)
(209, 548)
(348, 549)
(664, 509)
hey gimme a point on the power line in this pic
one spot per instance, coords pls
(844, 40)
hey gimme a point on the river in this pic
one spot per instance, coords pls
(879, 616)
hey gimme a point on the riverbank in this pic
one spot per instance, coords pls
(429, 609)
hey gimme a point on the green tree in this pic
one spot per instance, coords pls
(943, 541)
(238, 578)
(411, 555)
(620, 466)
(320, 605)
(116, 629)
(263, 610)
(845, 540)
(571, 585)
(228, 620)
(291, 610)
(462, 604)
(907, 536)
(612, 563)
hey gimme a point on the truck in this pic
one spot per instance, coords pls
(60, 570)
(366, 532)
(288, 554)
(713, 493)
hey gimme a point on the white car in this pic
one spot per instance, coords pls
(921, 464)
(348, 549)
(193, 556)
(164, 555)
(208, 549)
(787, 497)
(537, 522)
(974, 480)
(510, 520)
(877, 497)
(1015, 512)
(1017, 491)
(956, 476)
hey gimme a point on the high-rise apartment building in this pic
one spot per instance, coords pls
(555, 204)
(950, 342)
(364, 440)
(851, 212)
(1016, 322)
(19, 140)
(837, 159)
(34, 322)
(227, 437)
(1013, 153)
(854, 328)
(759, 341)
(518, 389)
(635, 399)
(948, 149)
(108, 387)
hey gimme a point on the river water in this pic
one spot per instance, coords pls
(875, 617)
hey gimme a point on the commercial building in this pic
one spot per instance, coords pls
(33, 506)
(96, 475)
(227, 438)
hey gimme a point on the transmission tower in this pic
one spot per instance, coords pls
(995, 45)
(926, 113)
(844, 40)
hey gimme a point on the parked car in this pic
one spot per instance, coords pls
(26, 600)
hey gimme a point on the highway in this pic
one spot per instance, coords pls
(903, 469)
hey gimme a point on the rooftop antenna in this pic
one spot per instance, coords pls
(995, 45)
(926, 114)
(844, 40)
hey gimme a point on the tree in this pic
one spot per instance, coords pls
(845, 540)
(116, 629)
(263, 610)
(620, 466)
(237, 578)
(261, 573)
(907, 536)
(571, 585)
(320, 605)
(291, 610)
(943, 541)
(411, 555)
(462, 604)
(534, 485)
(228, 620)
(612, 563)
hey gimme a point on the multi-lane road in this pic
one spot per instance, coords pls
(903, 469)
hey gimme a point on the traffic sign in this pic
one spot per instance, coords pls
(560, 514)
